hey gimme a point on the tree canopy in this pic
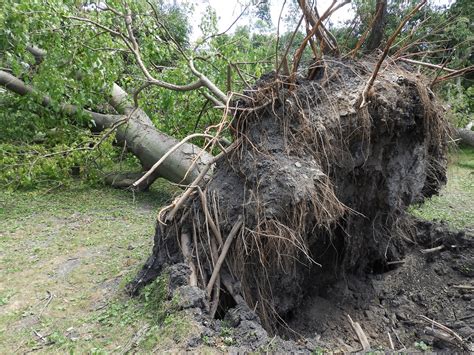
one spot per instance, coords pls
(74, 53)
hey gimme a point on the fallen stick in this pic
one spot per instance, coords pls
(432, 250)
(185, 247)
(398, 338)
(464, 287)
(392, 347)
(223, 254)
(455, 337)
(360, 334)
(396, 262)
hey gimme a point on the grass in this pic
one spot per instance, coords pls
(455, 203)
(67, 254)
(65, 257)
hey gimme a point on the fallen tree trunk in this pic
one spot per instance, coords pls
(466, 136)
(137, 133)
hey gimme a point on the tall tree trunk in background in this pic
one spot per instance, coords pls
(377, 31)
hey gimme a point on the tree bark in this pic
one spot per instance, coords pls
(376, 33)
(466, 136)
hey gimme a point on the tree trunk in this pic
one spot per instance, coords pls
(466, 136)
(149, 145)
(138, 134)
(377, 31)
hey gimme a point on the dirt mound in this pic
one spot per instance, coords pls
(432, 281)
(314, 190)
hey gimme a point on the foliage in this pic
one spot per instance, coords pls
(79, 68)
(83, 61)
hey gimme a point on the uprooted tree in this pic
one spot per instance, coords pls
(306, 176)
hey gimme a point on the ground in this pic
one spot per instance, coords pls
(66, 255)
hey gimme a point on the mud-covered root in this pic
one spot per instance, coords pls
(313, 187)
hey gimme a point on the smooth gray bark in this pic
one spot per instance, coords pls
(466, 136)
(137, 133)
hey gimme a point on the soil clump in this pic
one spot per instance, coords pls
(311, 200)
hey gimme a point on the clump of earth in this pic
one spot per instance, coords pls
(318, 186)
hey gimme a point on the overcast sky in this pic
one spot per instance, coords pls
(228, 10)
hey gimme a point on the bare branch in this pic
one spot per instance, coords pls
(331, 9)
(17, 86)
(454, 74)
(428, 65)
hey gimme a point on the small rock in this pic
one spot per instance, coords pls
(401, 316)
(298, 164)
(194, 342)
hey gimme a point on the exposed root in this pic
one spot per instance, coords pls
(312, 187)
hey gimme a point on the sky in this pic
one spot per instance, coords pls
(229, 10)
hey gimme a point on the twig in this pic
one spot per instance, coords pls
(278, 34)
(396, 262)
(290, 43)
(398, 338)
(464, 287)
(360, 334)
(369, 84)
(49, 299)
(459, 341)
(223, 254)
(454, 74)
(392, 347)
(428, 65)
(40, 336)
(432, 250)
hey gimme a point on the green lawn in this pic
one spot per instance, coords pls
(65, 257)
(455, 204)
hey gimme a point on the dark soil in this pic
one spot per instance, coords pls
(383, 302)
(322, 186)
(391, 301)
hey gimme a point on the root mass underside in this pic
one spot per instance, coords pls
(315, 188)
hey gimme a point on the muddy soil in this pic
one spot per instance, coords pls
(436, 284)
(390, 302)
(320, 186)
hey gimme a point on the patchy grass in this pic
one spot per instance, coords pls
(455, 204)
(65, 257)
